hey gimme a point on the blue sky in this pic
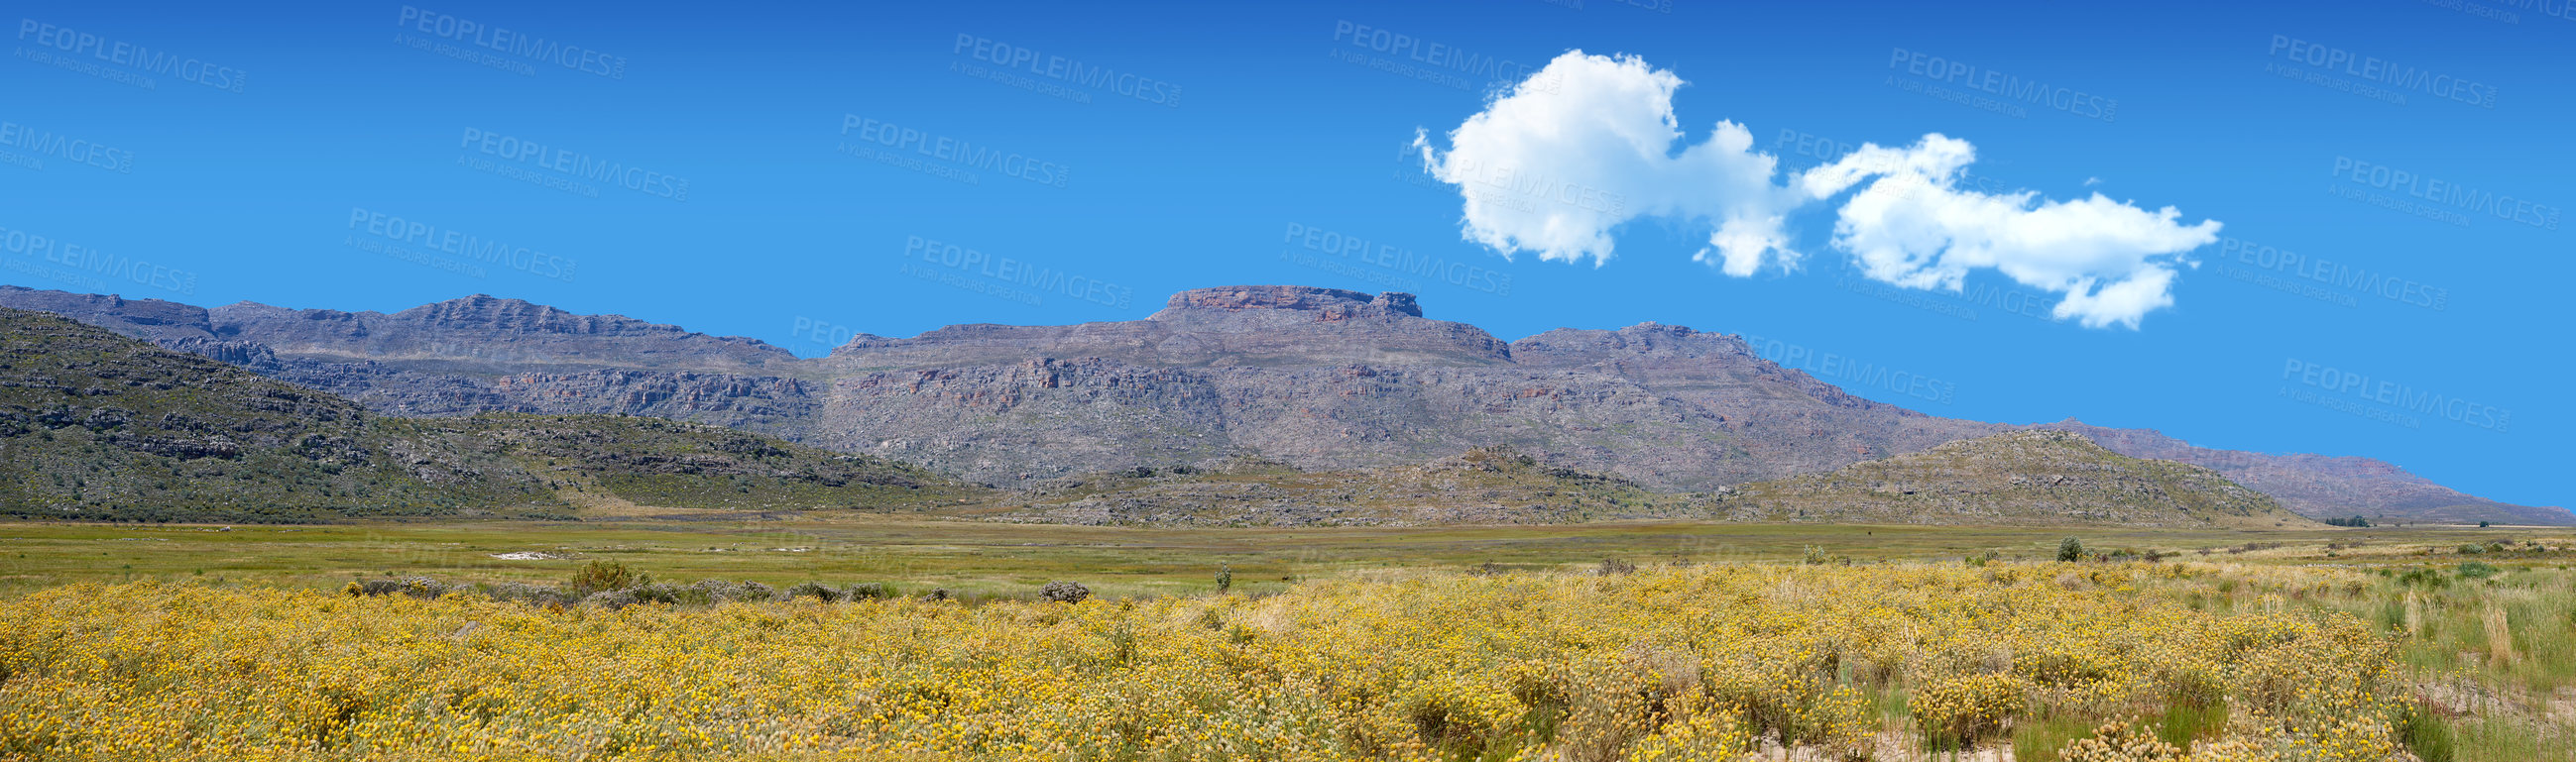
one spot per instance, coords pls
(729, 171)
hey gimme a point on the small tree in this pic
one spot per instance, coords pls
(2070, 550)
(1224, 577)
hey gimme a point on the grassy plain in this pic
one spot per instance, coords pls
(1002, 559)
(2352, 644)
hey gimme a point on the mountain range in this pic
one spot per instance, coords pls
(97, 426)
(1313, 379)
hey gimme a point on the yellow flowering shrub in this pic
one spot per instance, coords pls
(1703, 662)
(1704, 736)
(2120, 742)
(1958, 710)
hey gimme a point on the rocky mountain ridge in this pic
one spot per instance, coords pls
(1319, 379)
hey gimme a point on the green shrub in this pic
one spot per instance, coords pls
(601, 576)
(2429, 737)
(2070, 549)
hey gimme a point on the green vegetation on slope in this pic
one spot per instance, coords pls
(2030, 477)
(1495, 485)
(96, 426)
(655, 462)
(2025, 477)
(99, 426)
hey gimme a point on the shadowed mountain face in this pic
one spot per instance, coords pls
(1314, 378)
(94, 425)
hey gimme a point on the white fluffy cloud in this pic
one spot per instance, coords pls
(1911, 226)
(1554, 170)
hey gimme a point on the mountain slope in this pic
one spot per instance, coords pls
(2029, 477)
(2325, 486)
(1790, 421)
(98, 426)
(654, 462)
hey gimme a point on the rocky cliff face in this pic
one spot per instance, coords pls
(485, 334)
(1316, 378)
(1788, 421)
(1273, 326)
(1047, 418)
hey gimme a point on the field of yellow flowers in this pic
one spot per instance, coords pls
(1698, 662)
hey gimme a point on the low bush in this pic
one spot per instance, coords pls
(1065, 591)
(815, 590)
